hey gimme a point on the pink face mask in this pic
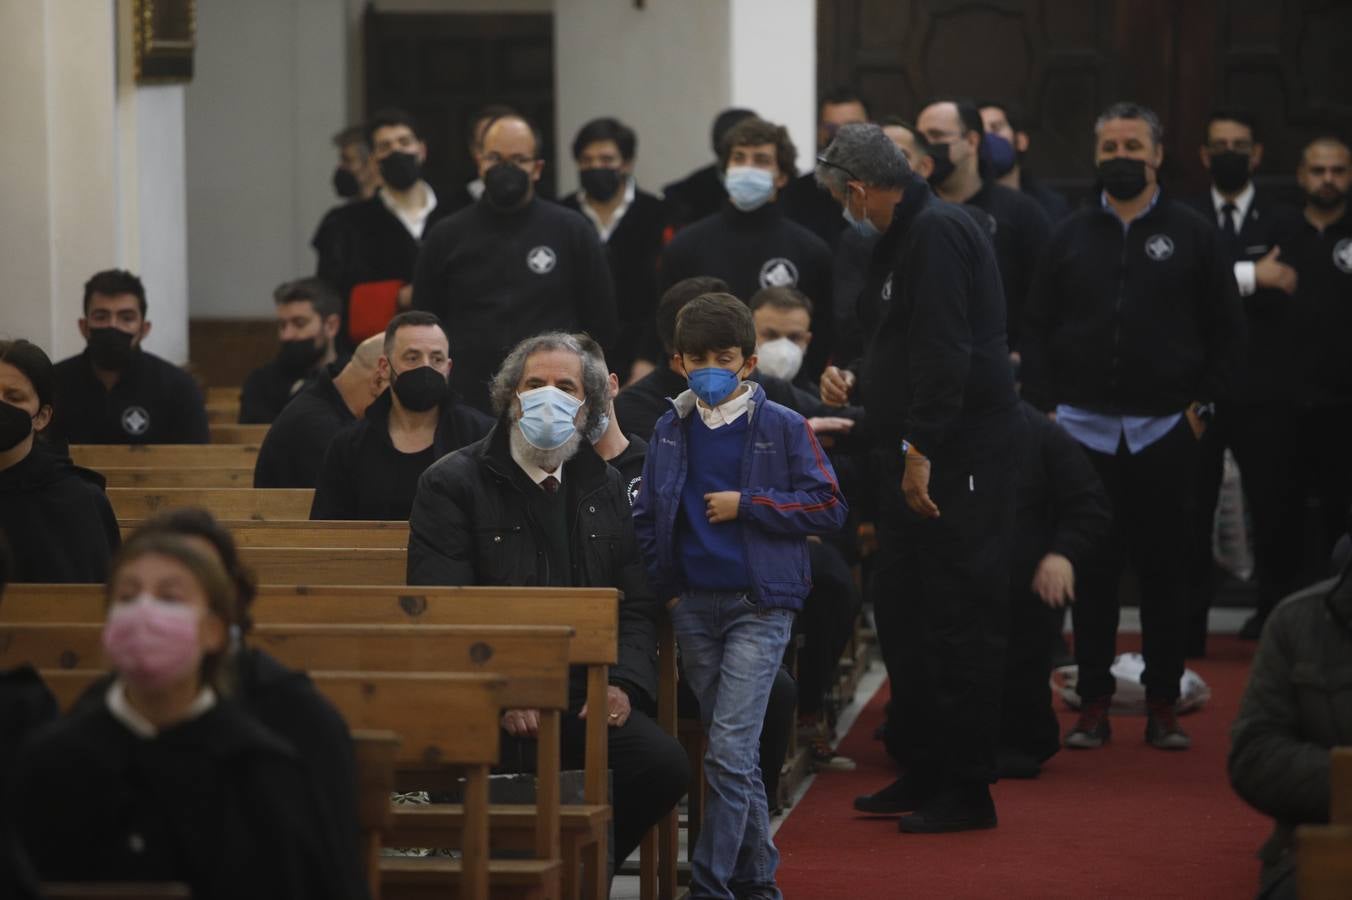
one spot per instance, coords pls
(152, 643)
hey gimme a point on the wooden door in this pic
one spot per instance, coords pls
(442, 67)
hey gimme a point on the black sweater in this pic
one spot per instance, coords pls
(699, 194)
(496, 278)
(367, 242)
(1019, 231)
(365, 477)
(294, 446)
(218, 802)
(57, 520)
(267, 390)
(154, 402)
(1323, 261)
(754, 250)
(938, 363)
(632, 251)
(1141, 323)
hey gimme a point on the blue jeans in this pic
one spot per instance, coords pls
(730, 651)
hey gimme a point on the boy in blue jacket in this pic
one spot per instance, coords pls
(732, 487)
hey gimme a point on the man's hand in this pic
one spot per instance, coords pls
(836, 385)
(1195, 422)
(521, 722)
(617, 707)
(915, 486)
(1269, 272)
(721, 506)
(830, 424)
(1054, 581)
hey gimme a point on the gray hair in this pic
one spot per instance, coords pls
(862, 152)
(595, 378)
(1127, 110)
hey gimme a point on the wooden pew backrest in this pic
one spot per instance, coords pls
(251, 533)
(349, 565)
(99, 456)
(177, 476)
(225, 503)
(230, 433)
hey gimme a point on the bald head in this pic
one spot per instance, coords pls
(368, 352)
(361, 380)
(510, 142)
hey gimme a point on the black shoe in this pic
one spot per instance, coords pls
(1091, 729)
(966, 807)
(1162, 730)
(1252, 629)
(898, 797)
(1017, 764)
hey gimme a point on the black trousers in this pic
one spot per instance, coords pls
(1028, 721)
(649, 772)
(826, 623)
(940, 591)
(1324, 466)
(1153, 497)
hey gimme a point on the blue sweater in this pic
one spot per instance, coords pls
(713, 557)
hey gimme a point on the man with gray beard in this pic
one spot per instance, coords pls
(532, 504)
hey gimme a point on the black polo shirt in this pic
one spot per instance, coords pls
(153, 402)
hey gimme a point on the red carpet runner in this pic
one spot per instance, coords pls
(1126, 821)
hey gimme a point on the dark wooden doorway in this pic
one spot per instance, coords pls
(441, 67)
(1062, 61)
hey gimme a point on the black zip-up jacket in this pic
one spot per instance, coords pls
(472, 525)
(1019, 230)
(938, 361)
(1141, 321)
(365, 477)
(1323, 261)
(294, 447)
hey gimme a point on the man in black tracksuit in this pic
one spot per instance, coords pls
(942, 418)
(750, 243)
(1133, 332)
(512, 265)
(1258, 234)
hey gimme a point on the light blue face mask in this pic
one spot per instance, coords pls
(547, 417)
(748, 187)
(600, 430)
(863, 226)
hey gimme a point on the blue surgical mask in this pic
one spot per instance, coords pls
(600, 430)
(714, 384)
(864, 227)
(547, 417)
(748, 187)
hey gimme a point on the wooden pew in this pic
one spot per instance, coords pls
(101, 456)
(462, 736)
(332, 534)
(1324, 852)
(223, 412)
(272, 504)
(231, 433)
(375, 753)
(351, 565)
(115, 890)
(228, 394)
(178, 476)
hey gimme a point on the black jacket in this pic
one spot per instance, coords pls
(25, 705)
(754, 250)
(1141, 322)
(1052, 201)
(699, 194)
(630, 464)
(1275, 340)
(364, 476)
(938, 363)
(496, 278)
(218, 802)
(1323, 261)
(294, 447)
(1061, 506)
(471, 525)
(632, 251)
(267, 391)
(1297, 705)
(1019, 231)
(57, 519)
(154, 402)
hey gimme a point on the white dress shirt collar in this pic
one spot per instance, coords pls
(534, 472)
(602, 230)
(727, 412)
(1242, 204)
(121, 709)
(415, 221)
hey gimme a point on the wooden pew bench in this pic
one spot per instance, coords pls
(177, 477)
(231, 433)
(261, 504)
(101, 456)
(1324, 852)
(330, 534)
(349, 565)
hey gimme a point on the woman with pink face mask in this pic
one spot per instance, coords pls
(167, 778)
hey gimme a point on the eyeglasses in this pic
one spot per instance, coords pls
(826, 162)
(519, 160)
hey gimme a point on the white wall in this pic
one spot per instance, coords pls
(774, 66)
(270, 89)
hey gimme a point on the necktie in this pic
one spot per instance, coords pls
(550, 484)
(1229, 221)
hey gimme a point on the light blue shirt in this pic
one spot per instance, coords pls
(1105, 432)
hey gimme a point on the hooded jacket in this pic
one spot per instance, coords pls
(472, 524)
(789, 491)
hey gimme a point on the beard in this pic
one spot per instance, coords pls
(548, 460)
(1326, 199)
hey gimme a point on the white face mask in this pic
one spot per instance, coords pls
(780, 358)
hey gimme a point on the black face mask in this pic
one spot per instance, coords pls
(15, 425)
(601, 184)
(419, 389)
(345, 184)
(400, 170)
(1326, 201)
(943, 164)
(505, 185)
(110, 348)
(1229, 171)
(296, 357)
(1122, 178)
